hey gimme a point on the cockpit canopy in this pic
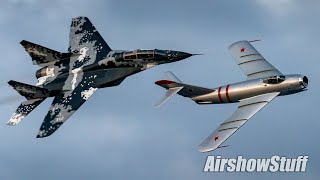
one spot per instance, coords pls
(138, 54)
(274, 79)
(144, 54)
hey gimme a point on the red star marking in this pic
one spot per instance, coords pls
(216, 138)
(242, 50)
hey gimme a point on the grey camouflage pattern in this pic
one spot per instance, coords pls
(64, 105)
(28, 91)
(84, 35)
(71, 78)
(23, 110)
(43, 56)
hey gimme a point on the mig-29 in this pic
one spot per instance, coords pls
(72, 77)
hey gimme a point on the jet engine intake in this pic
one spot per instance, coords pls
(44, 72)
(304, 81)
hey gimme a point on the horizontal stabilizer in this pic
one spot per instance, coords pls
(23, 110)
(188, 90)
(43, 56)
(29, 91)
(175, 86)
(169, 94)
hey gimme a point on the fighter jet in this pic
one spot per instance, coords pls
(264, 82)
(72, 77)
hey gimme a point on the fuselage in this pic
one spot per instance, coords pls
(110, 70)
(144, 58)
(232, 93)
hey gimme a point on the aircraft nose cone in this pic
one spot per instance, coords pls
(183, 55)
(178, 55)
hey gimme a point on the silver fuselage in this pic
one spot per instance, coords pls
(232, 93)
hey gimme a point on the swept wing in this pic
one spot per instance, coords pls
(251, 62)
(65, 104)
(246, 109)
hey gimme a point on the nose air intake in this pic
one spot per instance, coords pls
(305, 81)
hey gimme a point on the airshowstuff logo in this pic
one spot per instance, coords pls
(240, 164)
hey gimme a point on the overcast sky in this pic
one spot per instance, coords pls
(118, 134)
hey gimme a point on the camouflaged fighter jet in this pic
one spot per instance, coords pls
(72, 77)
(264, 83)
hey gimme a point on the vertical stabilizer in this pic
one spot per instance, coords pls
(85, 39)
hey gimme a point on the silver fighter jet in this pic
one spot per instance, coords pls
(264, 82)
(72, 77)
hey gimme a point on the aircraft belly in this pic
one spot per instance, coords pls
(107, 77)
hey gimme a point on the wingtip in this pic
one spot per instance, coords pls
(23, 42)
(204, 149)
(11, 82)
(42, 135)
(39, 136)
(157, 106)
(11, 123)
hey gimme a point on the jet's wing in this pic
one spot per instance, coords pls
(63, 106)
(251, 62)
(80, 87)
(247, 108)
